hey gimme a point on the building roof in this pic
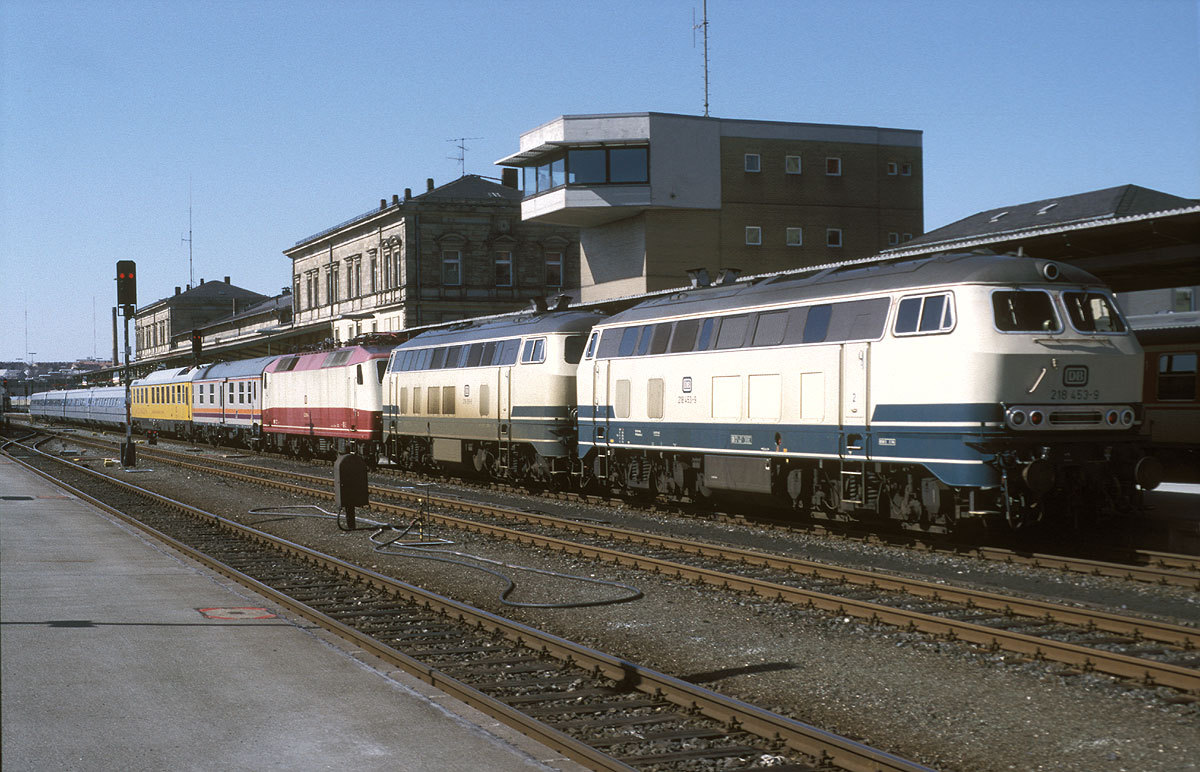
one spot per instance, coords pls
(206, 293)
(1133, 238)
(1106, 204)
(471, 187)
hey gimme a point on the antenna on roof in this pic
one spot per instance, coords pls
(462, 153)
(191, 273)
(703, 25)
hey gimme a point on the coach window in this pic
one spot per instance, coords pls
(1024, 311)
(1176, 377)
(643, 346)
(684, 336)
(733, 331)
(662, 336)
(816, 326)
(454, 356)
(230, 400)
(610, 343)
(1091, 312)
(241, 393)
(508, 352)
(708, 334)
(629, 339)
(769, 329)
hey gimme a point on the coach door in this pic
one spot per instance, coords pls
(855, 419)
(504, 413)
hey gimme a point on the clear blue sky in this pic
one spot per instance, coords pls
(284, 118)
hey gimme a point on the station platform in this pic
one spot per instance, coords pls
(120, 654)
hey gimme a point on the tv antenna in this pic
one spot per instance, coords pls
(188, 238)
(462, 153)
(703, 26)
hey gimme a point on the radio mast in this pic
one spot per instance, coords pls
(191, 273)
(703, 26)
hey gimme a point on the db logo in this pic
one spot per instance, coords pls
(1075, 375)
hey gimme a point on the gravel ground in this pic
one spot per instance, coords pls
(941, 704)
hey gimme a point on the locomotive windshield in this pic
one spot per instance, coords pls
(1024, 312)
(1092, 312)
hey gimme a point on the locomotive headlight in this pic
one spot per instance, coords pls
(1111, 418)
(1036, 418)
(1127, 417)
(1017, 417)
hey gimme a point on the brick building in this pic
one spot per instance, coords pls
(456, 251)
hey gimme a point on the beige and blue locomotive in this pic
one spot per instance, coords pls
(495, 396)
(966, 385)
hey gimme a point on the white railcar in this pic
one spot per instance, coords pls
(496, 396)
(954, 386)
(227, 401)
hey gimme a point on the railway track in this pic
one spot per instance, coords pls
(1144, 651)
(1137, 565)
(602, 711)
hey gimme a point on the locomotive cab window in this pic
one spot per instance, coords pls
(1024, 311)
(928, 313)
(591, 346)
(1092, 312)
(534, 351)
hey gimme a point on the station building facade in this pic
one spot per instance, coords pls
(453, 252)
(165, 326)
(657, 194)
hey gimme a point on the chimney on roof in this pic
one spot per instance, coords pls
(201, 281)
(508, 178)
(178, 290)
(699, 277)
(226, 279)
(286, 291)
(395, 200)
(428, 184)
(383, 203)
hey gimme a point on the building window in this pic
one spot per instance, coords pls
(906, 237)
(374, 266)
(451, 267)
(833, 237)
(592, 166)
(893, 168)
(906, 170)
(554, 261)
(893, 239)
(791, 164)
(753, 235)
(504, 269)
(396, 274)
(795, 237)
(587, 167)
(629, 164)
(753, 162)
(833, 167)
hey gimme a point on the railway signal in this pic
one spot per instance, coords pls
(126, 283)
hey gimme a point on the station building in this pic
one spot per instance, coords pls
(657, 194)
(453, 252)
(165, 325)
